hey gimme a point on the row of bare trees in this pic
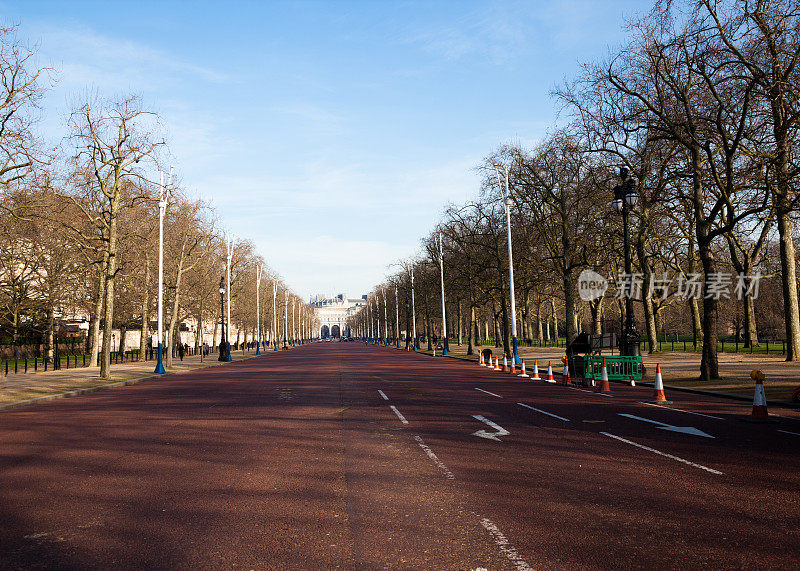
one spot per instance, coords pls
(701, 105)
(79, 228)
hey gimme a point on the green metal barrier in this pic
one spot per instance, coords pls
(618, 367)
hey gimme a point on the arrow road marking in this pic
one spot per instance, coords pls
(543, 412)
(664, 426)
(490, 435)
(488, 393)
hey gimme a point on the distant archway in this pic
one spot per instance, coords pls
(324, 332)
(335, 332)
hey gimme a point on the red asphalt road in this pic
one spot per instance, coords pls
(297, 460)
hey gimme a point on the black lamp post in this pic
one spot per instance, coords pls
(223, 344)
(56, 355)
(624, 200)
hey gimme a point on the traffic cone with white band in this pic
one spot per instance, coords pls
(535, 376)
(496, 364)
(565, 375)
(480, 359)
(523, 374)
(505, 363)
(550, 378)
(658, 389)
(605, 387)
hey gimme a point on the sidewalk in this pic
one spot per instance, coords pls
(22, 388)
(681, 369)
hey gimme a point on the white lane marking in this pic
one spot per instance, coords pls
(681, 410)
(654, 451)
(397, 412)
(505, 546)
(787, 432)
(383, 395)
(447, 473)
(490, 435)
(664, 426)
(543, 412)
(591, 392)
(488, 393)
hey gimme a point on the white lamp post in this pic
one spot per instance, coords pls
(228, 291)
(507, 202)
(397, 320)
(163, 196)
(444, 316)
(413, 311)
(274, 316)
(259, 270)
(385, 320)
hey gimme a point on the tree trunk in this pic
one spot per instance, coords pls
(569, 307)
(460, 318)
(111, 275)
(788, 282)
(555, 318)
(596, 310)
(471, 331)
(145, 329)
(98, 312)
(709, 367)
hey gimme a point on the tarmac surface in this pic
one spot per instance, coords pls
(344, 455)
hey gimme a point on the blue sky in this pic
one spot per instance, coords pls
(332, 134)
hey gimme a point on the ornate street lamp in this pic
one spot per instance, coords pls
(163, 196)
(625, 199)
(224, 351)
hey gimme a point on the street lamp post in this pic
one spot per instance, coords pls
(274, 315)
(163, 195)
(624, 200)
(397, 320)
(507, 202)
(229, 258)
(385, 320)
(285, 318)
(223, 345)
(258, 309)
(413, 311)
(444, 316)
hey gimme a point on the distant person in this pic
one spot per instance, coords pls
(180, 351)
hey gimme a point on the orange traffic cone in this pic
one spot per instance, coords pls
(523, 374)
(565, 375)
(605, 387)
(760, 413)
(658, 389)
(505, 363)
(550, 378)
(496, 364)
(535, 376)
(480, 359)
(512, 368)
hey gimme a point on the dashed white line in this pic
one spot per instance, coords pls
(681, 410)
(447, 473)
(654, 451)
(788, 432)
(505, 546)
(383, 395)
(590, 392)
(544, 412)
(397, 412)
(488, 393)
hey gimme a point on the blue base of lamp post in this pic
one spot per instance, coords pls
(275, 345)
(160, 364)
(445, 350)
(258, 349)
(517, 360)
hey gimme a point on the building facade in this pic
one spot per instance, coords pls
(332, 313)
